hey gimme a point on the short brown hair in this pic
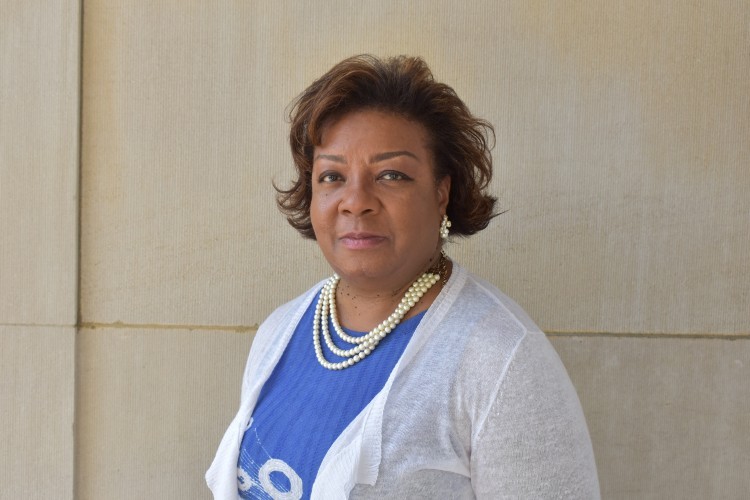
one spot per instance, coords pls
(404, 86)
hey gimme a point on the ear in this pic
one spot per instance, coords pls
(443, 191)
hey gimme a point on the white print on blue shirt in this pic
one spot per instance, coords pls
(274, 479)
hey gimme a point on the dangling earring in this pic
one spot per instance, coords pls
(444, 225)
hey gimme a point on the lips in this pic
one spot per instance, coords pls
(361, 240)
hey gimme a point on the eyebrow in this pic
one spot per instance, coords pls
(392, 154)
(374, 159)
(334, 158)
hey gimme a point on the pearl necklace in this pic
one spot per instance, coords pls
(365, 344)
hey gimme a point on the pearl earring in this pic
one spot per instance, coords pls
(444, 225)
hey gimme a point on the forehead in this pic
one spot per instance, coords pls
(372, 129)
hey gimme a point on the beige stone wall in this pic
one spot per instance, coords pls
(127, 304)
(39, 102)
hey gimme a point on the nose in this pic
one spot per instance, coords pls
(358, 197)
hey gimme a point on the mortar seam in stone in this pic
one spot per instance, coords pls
(166, 326)
(648, 335)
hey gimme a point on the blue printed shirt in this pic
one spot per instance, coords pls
(304, 407)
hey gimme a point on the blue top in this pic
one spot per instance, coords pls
(304, 407)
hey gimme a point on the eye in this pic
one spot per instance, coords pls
(327, 177)
(392, 175)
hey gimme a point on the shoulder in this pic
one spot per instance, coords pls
(286, 311)
(279, 325)
(500, 335)
(484, 319)
(480, 296)
(502, 352)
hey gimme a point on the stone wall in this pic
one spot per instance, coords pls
(141, 246)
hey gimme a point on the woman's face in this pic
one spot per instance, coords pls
(376, 207)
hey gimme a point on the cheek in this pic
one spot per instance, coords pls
(421, 223)
(320, 207)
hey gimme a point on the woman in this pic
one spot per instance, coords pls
(402, 376)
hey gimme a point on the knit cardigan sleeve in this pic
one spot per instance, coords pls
(533, 441)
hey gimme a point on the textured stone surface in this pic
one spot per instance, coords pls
(37, 389)
(39, 68)
(152, 408)
(669, 418)
(39, 103)
(621, 155)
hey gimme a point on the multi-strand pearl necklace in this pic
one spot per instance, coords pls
(365, 344)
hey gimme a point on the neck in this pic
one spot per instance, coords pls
(361, 308)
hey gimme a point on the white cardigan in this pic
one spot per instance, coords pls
(478, 406)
